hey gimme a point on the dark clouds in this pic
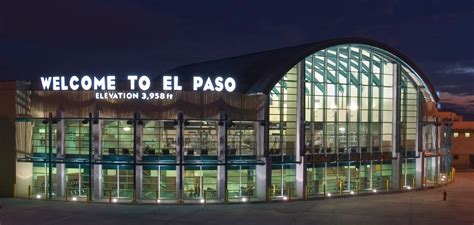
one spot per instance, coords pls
(132, 36)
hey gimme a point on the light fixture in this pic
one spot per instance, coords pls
(127, 128)
(352, 192)
(353, 107)
(158, 201)
(374, 190)
(285, 198)
(244, 199)
(114, 200)
(74, 199)
(202, 201)
(328, 194)
(408, 187)
(38, 196)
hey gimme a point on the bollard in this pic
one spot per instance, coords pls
(445, 195)
(134, 196)
(29, 191)
(340, 186)
(180, 200)
(110, 196)
(248, 194)
(305, 193)
(226, 197)
(288, 192)
(413, 183)
(324, 189)
(205, 196)
(89, 197)
(269, 194)
(65, 194)
(14, 190)
(157, 196)
(388, 182)
(358, 187)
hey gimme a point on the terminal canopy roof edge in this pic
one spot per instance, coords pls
(257, 73)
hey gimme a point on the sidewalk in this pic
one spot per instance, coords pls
(415, 207)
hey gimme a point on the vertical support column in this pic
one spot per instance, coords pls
(60, 153)
(138, 153)
(397, 158)
(179, 156)
(50, 156)
(222, 157)
(97, 154)
(420, 160)
(301, 178)
(263, 172)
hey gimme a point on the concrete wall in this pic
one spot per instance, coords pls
(463, 147)
(7, 138)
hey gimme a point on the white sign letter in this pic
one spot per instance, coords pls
(176, 85)
(197, 83)
(73, 83)
(110, 83)
(99, 83)
(46, 82)
(86, 83)
(230, 84)
(167, 83)
(132, 79)
(144, 83)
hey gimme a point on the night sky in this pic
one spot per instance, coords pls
(58, 37)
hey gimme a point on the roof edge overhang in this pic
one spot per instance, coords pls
(318, 46)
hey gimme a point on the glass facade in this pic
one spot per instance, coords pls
(344, 120)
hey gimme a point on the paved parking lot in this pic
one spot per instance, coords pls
(420, 207)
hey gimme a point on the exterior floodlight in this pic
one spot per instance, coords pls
(285, 198)
(38, 196)
(408, 187)
(375, 190)
(202, 201)
(244, 199)
(352, 192)
(114, 200)
(158, 201)
(74, 199)
(328, 194)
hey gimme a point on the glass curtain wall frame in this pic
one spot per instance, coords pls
(159, 138)
(76, 179)
(117, 137)
(282, 134)
(200, 183)
(242, 138)
(159, 183)
(241, 182)
(348, 101)
(76, 137)
(200, 138)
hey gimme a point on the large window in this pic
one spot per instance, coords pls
(200, 137)
(348, 101)
(117, 137)
(283, 107)
(41, 137)
(159, 138)
(241, 138)
(76, 139)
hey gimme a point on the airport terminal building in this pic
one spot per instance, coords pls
(336, 117)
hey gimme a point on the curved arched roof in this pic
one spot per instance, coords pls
(259, 72)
